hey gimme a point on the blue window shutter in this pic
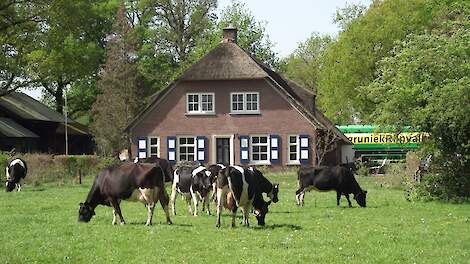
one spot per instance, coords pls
(304, 155)
(142, 147)
(202, 148)
(171, 149)
(275, 148)
(244, 149)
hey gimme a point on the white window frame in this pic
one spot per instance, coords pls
(199, 104)
(268, 150)
(150, 145)
(245, 103)
(178, 145)
(297, 151)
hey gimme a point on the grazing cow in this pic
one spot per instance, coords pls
(336, 178)
(142, 182)
(162, 163)
(193, 183)
(246, 187)
(15, 172)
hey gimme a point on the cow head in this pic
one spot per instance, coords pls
(361, 198)
(202, 179)
(260, 213)
(9, 186)
(85, 213)
(273, 193)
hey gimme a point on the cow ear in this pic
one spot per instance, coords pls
(81, 204)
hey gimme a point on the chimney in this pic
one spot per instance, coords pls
(229, 35)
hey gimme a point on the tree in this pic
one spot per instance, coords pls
(303, 65)
(425, 83)
(347, 15)
(252, 35)
(69, 45)
(19, 21)
(351, 61)
(326, 141)
(118, 85)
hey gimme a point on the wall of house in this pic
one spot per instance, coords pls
(169, 117)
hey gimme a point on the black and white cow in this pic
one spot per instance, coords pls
(193, 184)
(15, 172)
(337, 178)
(128, 181)
(246, 188)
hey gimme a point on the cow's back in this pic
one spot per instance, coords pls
(319, 178)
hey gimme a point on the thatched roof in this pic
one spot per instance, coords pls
(225, 62)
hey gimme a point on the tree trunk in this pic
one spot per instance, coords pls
(59, 98)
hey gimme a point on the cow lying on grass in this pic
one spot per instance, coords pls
(142, 182)
(246, 187)
(338, 178)
(15, 172)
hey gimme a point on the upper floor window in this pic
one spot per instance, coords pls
(245, 103)
(200, 103)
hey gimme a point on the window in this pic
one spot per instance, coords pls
(186, 148)
(200, 103)
(154, 147)
(245, 103)
(259, 150)
(294, 147)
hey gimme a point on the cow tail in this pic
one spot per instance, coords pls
(229, 179)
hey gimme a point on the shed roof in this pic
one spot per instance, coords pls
(10, 128)
(26, 107)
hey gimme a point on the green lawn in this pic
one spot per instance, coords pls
(40, 225)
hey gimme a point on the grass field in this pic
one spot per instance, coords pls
(39, 225)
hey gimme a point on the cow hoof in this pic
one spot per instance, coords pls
(148, 224)
(217, 225)
(169, 222)
(123, 223)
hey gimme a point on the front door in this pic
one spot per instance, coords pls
(222, 146)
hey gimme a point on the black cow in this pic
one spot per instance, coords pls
(246, 187)
(15, 172)
(193, 183)
(336, 178)
(142, 182)
(162, 163)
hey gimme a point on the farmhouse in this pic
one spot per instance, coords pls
(230, 108)
(27, 125)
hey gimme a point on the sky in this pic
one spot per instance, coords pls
(288, 22)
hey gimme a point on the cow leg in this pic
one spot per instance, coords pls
(245, 216)
(338, 197)
(195, 200)
(187, 198)
(163, 197)
(117, 209)
(150, 209)
(220, 201)
(18, 187)
(349, 201)
(173, 198)
(302, 198)
(298, 195)
(205, 204)
(234, 214)
(114, 217)
(214, 193)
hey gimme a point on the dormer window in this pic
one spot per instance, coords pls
(244, 103)
(200, 103)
